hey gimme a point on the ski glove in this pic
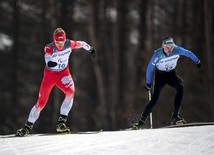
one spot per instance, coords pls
(198, 64)
(148, 87)
(51, 64)
(93, 52)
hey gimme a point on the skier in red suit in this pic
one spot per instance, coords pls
(56, 73)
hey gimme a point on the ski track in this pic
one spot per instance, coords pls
(186, 140)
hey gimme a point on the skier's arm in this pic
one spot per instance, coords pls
(51, 64)
(190, 55)
(84, 45)
(80, 44)
(48, 51)
(150, 69)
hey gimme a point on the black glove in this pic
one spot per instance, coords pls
(93, 52)
(198, 64)
(51, 64)
(148, 87)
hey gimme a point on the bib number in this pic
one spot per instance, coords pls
(60, 66)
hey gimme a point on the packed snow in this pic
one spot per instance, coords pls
(196, 140)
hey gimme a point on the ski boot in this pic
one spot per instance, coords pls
(61, 127)
(140, 124)
(176, 120)
(24, 131)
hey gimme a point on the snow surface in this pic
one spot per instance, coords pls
(197, 140)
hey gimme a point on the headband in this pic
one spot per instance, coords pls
(59, 37)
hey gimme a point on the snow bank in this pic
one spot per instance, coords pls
(198, 140)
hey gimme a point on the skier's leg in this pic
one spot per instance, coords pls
(177, 83)
(67, 86)
(24, 130)
(64, 110)
(158, 86)
(44, 92)
(148, 108)
(154, 99)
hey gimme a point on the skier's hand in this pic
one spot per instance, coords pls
(148, 87)
(198, 64)
(93, 52)
(51, 64)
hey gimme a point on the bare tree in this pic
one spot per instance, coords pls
(208, 20)
(15, 55)
(102, 119)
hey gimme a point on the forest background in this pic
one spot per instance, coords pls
(109, 89)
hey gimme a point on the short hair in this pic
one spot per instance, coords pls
(59, 30)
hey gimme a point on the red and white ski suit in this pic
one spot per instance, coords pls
(57, 76)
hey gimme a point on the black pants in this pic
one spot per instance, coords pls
(161, 79)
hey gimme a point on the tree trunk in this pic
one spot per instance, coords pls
(101, 89)
(208, 13)
(15, 56)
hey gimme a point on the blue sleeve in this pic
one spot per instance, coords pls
(188, 53)
(151, 68)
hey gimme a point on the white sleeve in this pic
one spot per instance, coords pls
(85, 45)
(47, 58)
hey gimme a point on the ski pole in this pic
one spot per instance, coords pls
(150, 116)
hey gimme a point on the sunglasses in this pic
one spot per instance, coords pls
(168, 46)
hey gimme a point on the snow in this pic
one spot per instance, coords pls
(196, 140)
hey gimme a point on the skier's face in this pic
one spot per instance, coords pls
(168, 48)
(60, 44)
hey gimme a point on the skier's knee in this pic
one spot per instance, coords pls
(70, 92)
(69, 96)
